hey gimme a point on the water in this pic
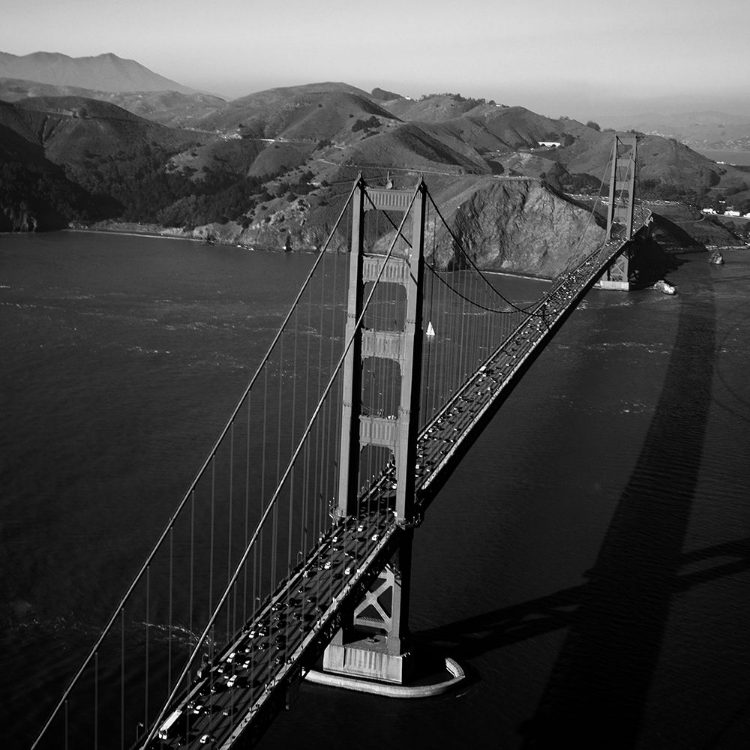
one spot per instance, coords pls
(588, 563)
(741, 158)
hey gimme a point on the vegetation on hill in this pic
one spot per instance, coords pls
(274, 164)
(38, 196)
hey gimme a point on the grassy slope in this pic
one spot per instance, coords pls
(319, 128)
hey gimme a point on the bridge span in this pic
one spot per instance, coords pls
(323, 564)
(258, 671)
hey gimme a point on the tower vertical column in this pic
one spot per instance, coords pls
(352, 377)
(621, 208)
(374, 643)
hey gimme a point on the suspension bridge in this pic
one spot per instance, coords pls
(291, 549)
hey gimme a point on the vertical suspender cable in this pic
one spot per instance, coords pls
(230, 509)
(148, 627)
(170, 628)
(96, 700)
(262, 494)
(192, 561)
(122, 681)
(246, 529)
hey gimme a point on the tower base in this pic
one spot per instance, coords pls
(449, 676)
(620, 286)
(369, 658)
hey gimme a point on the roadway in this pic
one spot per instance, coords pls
(258, 660)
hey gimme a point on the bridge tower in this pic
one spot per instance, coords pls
(621, 208)
(374, 642)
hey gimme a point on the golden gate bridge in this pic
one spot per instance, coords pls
(290, 553)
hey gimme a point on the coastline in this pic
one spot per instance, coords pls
(137, 234)
(155, 234)
(133, 232)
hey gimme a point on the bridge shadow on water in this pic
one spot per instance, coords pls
(597, 691)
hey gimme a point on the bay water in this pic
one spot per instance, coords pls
(588, 563)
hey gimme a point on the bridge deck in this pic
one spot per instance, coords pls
(259, 670)
(266, 655)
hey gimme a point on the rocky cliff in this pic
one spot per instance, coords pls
(516, 226)
(14, 219)
(500, 224)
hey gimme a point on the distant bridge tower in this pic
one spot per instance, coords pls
(373, 644)
(621, 208)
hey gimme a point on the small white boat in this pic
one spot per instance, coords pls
(430, 329)
(662, 286)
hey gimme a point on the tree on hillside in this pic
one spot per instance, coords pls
(371, 122)
(593, 125)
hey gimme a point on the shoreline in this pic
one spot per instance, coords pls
(166, 236)
(130, 232)
(133, 233)
(255, 249)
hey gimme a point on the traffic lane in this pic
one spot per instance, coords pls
(232, 686)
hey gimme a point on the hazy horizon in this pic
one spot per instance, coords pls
(672, 57)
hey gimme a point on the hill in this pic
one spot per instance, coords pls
(106, 72)
(35, 193)
(172, 108)
(514, 226)
(92, 160)
(269, 169)
(72, 129)
(310, 112)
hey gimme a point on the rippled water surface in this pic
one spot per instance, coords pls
(589, 562)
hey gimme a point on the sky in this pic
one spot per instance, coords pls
(577, 58)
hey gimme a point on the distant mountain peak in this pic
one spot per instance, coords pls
(104, 72)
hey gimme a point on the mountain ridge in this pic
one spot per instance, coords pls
(105, 72)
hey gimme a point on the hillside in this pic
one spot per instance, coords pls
(35, 193)
(70, 159)
(514, 226)
(106, 72)
(311, 112)
(72, 129)
(172, 108)
(269, 169)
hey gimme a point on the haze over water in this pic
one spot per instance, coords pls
(588, 563)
